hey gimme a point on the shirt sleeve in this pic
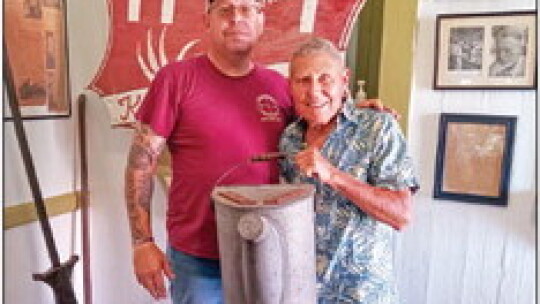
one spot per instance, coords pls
(159, 108)
(391, 166)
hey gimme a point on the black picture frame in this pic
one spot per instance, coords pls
(40, 73)
(495, 50)
(474, 157)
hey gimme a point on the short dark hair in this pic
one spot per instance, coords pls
(210, 2)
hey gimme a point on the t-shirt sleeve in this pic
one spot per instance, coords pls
(391, 165)
(159, 108)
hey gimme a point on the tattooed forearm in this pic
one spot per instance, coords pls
(139, 157)
(142, 162)
(139, 187)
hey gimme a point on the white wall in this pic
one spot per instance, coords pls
(112, 276)
(459, 253)
(53, 147)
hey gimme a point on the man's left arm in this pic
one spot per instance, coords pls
(392, 207)
(386, 195)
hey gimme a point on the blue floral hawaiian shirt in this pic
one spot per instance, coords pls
(354, 251)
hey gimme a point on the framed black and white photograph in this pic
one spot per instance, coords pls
(486, 51)
(474, 156)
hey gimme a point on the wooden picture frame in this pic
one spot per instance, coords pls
(486, 51)
(474, 156)
(35, 41)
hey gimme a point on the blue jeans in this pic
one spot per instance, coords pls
(197, 280)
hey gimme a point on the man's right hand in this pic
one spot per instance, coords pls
(150, 263)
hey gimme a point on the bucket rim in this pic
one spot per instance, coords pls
(218, 197)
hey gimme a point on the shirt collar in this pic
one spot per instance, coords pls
(347, 113)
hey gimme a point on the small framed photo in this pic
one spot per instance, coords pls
(474, 156)
(37, 56)
(486, 51)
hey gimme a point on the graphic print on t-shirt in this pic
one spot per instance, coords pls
(268, 108)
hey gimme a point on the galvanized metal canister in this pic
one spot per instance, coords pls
(266, 243)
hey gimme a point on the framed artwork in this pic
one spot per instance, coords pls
(474, 156)
(486, 51)
(36, 45)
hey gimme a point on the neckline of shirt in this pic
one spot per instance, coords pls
(220, 73)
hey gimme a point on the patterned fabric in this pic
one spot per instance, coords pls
(354, 251)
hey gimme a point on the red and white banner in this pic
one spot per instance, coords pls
(145, 35)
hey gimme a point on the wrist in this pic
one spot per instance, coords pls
(142, 241)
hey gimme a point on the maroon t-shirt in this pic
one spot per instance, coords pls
(213, 122)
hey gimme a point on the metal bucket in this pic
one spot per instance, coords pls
(266, 243)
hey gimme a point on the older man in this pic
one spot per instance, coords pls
(509, 48)
(358, 161)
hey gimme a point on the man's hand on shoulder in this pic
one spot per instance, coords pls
(377, 104)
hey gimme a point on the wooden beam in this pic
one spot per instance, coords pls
(25, 213)
(396, 69)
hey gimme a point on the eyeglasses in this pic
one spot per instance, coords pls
(245, 11)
